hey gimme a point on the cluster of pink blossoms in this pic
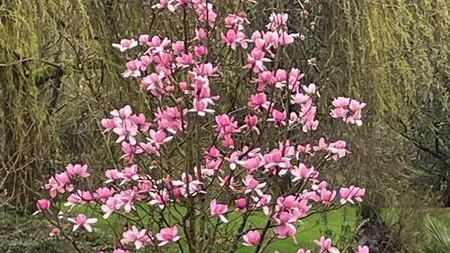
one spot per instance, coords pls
(349, 110)
(245, 170)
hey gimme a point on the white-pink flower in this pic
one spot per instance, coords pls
(167, 235)
(139, 238)
(82, 221)
(252, 238)
(218, 210)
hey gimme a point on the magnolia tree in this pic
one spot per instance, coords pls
(198, 176)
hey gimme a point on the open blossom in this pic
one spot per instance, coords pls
(79, 198)
(159, 137)
(258, 101)
(129, 174)
(125, 44)
(348, 194)
(252, 238)
(160, 198)
(349, 110)
(82, 221)
(234, 38)
(77, 170)
(60, 183)
(111, 205)
(325, 245)
(338, 149)
(286, 230)
(112, 175)
(278, 117)
(217, 209)
(277, 21)
(256, 60)
(263, 202)
(133, 69)
(327, 196)
(167, 235)
(253, 185)
(103, 193)
(139, 238)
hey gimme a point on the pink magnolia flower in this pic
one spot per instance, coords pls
(82, 221)
(363, 249)
(108, 124)
(327, 196)
(77, 170)
(341, 102)
(356, 105)
(256, 61)
(217, 209)
(111, 205)
(276, 158)
(125, 44)
(322, 145)
(338, 149)
(252, 238)
(263, 202)
(143, 39)
(302, 172)
(130, 151)
(348, 194)
(133, 69)
(287, 39)
(227, 182)
(201, 107)
(159, 137)
(112, 175)
(277, 21)
(241, 204)
(258, 101)
(59, 183)
(42, 205)
(253, 185)
(167, 235)
(310, 89)
(129, 174)
(139, 238)
(201, 51)
(160, 198)
(286, 230)
(232, 38)
(325, 245)
(278, 117)
(79, 198)
(303, 251)
(250, 123)
(299, 98)
(104, 193)
(200, 34)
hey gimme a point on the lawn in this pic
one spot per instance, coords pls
(333, 224)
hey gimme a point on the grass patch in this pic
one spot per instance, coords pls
(337, 224)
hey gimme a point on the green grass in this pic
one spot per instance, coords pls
(332, 224)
